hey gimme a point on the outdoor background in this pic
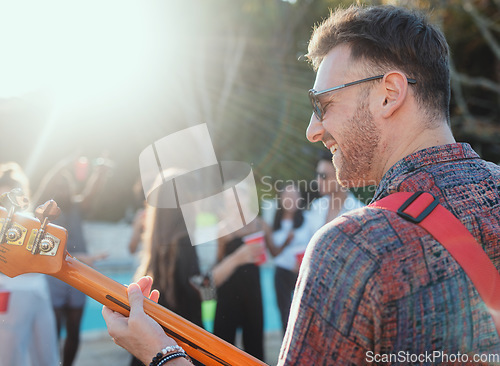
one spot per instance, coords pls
(110, 77)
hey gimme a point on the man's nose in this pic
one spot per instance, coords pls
(315, 129)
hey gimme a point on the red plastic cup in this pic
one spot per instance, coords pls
(257, 239)
(299, 257)
(4, 301)
(81, 168)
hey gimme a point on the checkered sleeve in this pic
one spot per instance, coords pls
(335, 314)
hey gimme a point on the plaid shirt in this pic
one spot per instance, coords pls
(374, 287)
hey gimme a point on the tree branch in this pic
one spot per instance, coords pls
(457, 92)
(477, 81)
(483, 25)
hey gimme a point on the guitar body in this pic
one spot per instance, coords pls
(19, 254)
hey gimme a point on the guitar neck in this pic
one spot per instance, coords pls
(198, 343)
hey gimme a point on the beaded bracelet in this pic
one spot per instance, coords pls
(169, 349)
(170, 357)
(160, 356)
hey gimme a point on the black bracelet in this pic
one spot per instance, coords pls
(156, 359)
(170, 357)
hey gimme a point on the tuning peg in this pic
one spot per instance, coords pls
(15, 199)
(47, 212)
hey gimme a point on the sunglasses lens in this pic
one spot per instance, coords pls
(318, 112)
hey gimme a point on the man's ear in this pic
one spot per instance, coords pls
(394, 92)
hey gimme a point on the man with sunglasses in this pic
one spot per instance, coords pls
(375, 288)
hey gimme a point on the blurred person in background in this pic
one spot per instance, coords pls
(169, 257)
(27, 326)
(74, 184)
(135, 241)
(291, 235)
(334, 199)
(239, 299)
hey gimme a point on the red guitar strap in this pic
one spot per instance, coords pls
(424, 209)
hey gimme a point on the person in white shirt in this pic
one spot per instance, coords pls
(27, 323)
(335, 200)
(290, 235)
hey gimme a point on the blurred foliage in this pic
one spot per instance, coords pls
(268, 110)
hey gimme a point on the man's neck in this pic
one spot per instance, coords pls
(423, 140)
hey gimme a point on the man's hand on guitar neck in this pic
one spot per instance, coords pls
(139, 334)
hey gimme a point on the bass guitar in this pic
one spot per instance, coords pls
(34, 245)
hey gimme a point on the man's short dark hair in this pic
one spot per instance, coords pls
(388, 37)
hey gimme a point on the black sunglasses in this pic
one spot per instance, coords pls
(316, 104)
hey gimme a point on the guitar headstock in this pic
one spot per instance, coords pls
(28, 245)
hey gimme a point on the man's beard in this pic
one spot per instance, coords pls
(361, 138)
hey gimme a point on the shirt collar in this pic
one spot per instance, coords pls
(412, 162)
